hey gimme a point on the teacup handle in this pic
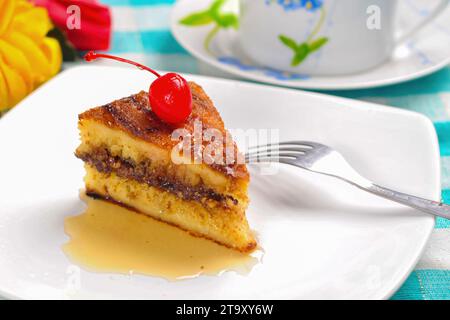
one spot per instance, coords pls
(442, 5)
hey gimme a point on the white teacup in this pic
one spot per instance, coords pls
(322, 37)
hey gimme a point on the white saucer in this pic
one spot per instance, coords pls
(427, 52)
(322, 238)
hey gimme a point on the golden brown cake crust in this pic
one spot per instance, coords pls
(134, 116)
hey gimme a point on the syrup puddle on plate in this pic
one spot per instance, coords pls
(110, 238)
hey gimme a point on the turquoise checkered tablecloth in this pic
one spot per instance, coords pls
(141, 31)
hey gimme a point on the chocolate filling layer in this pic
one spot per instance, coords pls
(141, 172)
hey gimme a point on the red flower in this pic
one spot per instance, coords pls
(86, 22)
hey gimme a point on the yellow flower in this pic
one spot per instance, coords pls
(27, 56)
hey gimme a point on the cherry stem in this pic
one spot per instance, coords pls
(91, 55)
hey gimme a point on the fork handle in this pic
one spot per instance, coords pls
(429, 206)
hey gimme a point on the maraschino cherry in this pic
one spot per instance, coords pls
(169, 95)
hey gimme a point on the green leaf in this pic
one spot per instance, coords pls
(197, 19)
(228, 20)
(225, 20)
(214, 9)
(300, 54)
(317, 44)
(288, 42)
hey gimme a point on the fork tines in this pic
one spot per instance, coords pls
(277, 152)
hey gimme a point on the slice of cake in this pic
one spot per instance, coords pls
(128, 155)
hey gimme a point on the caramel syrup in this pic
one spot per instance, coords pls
(110, 238)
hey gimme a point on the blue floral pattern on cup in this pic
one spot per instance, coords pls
(214, 16)
(310, 5)
(269, 72)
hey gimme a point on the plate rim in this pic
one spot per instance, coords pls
(427, 123)
(191, 49)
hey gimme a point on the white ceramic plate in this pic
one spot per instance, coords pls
(322, 238)
(425, 53)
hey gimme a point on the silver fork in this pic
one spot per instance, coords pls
(322, 159)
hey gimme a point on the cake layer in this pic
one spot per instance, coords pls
(140, 172)
(95, 136)
(223, 225)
